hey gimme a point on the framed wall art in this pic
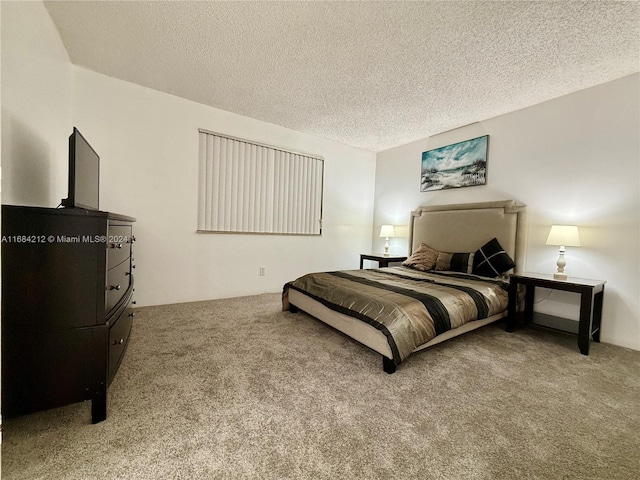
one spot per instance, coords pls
(462, 164)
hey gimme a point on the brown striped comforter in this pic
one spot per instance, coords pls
(410, 307)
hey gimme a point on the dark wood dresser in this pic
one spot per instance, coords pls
(67, 287)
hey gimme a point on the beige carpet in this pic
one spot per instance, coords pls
(238, 389)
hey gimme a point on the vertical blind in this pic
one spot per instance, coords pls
(253, 188)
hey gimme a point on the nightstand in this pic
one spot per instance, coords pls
(383, 261)
(591, 295)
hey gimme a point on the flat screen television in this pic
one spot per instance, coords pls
(84, 174)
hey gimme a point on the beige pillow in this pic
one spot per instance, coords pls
(423, 259)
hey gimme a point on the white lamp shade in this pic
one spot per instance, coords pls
(387, 231)
(564, 235)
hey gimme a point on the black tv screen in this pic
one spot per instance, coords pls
(84, 174)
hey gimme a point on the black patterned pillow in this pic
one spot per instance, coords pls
(455, 262)
(491, 260)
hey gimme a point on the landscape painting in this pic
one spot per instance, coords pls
(462, 164)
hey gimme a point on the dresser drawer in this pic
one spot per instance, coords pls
(118, 279)
(118, 340)
(118, 244)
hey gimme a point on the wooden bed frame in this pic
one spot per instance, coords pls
(447, 228)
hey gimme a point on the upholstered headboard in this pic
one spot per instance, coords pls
(467, 227)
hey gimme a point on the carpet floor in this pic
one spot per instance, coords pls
(236, 388)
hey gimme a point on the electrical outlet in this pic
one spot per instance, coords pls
(263, 271)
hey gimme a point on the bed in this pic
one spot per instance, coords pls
(454, 281)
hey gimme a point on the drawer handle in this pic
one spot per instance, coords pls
(135, 302)
(132, 314)
(118, 342)
(116, 287)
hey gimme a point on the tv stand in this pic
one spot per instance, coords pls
(67, 289)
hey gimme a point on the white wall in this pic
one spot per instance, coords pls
(36, 97)
(148, 144)
(572, 160)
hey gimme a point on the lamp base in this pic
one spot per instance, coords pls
(561, 263)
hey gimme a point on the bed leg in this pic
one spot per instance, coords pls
(388, 365)
(293, 309)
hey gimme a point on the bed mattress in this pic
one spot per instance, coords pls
(409, 307)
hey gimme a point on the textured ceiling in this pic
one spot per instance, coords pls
(369, 74)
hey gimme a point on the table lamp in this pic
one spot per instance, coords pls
(387, 231)
(563, 236)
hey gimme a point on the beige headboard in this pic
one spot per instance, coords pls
(468, 226)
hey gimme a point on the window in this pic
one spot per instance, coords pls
(247, 187)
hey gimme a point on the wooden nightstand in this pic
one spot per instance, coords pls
(591, 295)
(383, 261)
